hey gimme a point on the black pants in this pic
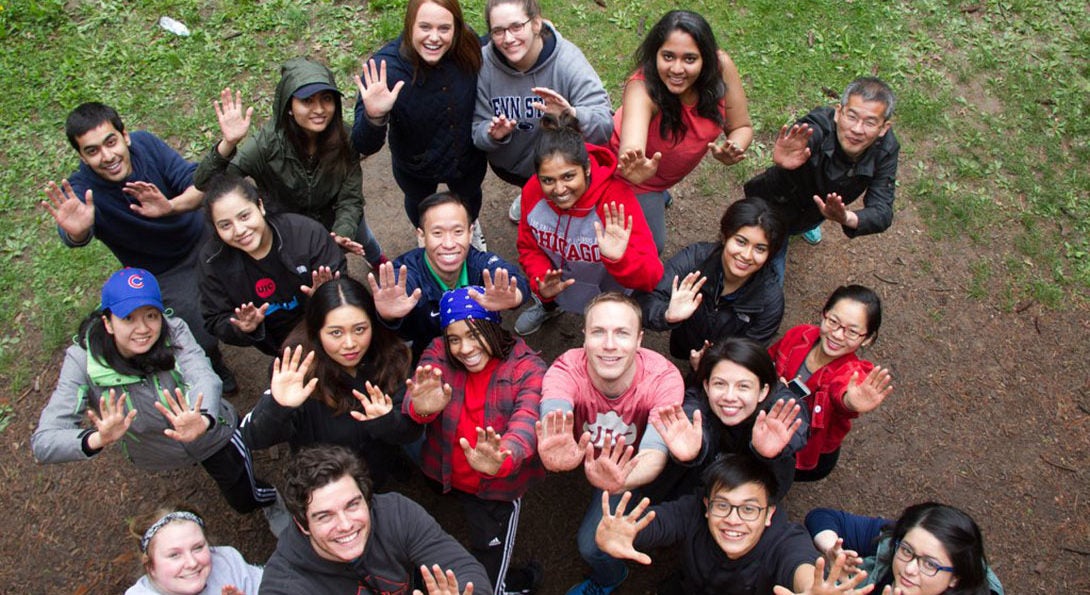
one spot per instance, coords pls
(233, 471)
(824, 467)
(492, 528)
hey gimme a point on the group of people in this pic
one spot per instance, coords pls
(415, 369)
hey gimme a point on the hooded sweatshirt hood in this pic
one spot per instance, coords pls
(294, 74)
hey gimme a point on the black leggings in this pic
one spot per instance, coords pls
(824, 467)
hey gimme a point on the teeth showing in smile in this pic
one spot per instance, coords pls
(347, 538)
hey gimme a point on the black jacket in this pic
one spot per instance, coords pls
(302, 245)
(755, 312)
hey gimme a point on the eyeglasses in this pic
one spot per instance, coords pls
(833, 324)
(928, 566)
(853, 118)
(499, 33)
(747, 512)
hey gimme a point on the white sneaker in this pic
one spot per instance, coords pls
(531, 319)
(476, 238)
(277, 516)
(514, 213)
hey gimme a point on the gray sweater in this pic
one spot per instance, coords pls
(83, 381)
(228, 568)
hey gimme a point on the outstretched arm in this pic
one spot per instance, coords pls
(617, 531)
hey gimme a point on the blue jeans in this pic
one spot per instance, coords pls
(604, 569)
(372, 251)
(779, 260)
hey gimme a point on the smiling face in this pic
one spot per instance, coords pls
(346, 335)
(467, 346)
(314, 113)
(179, 559)
(744, 253)
(136, 333)
(241, 225)
(733, 392)
(523, 47)
(562, 181)
(106, 152)
(339, 520)
(445, 231)
(611, 338)
(843, 328)
(679, 63)
(860, 124)
(737, 537)
(907, 576)
(433, 32)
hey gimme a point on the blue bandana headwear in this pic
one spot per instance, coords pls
(457, 305)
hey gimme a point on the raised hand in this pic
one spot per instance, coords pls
(391, 301)
(428, 392)
(695, 355)
(248, 316)
(319, 276)
(76, 218)
(636, 167)
(830, 585)
(375, 403)
(501, 126)
(685, 297)
(792, 147)
(613, 240)
(682, 437)
(551, 285)
(866, 397)
(111, 421)
(772, 431)
(488, 455)
(727, 153)
(233, 119)
(555, 443)
(347, 244)
(852, 560)
(834, 209)
(438, 582)
(551, 102)
(610, 469)
(617, 531)
(150, 201)
(499, 294)
(378, 97)
(188, 423)
(289, 373)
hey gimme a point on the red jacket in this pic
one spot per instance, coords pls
(511, 407)
(551, 238)
(830, 420)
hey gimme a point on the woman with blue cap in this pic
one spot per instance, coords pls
(145, 384)
(477, 389)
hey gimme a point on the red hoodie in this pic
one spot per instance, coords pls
(552, 238)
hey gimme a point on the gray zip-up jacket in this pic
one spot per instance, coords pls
(83, 381)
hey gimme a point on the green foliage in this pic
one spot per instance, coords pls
(993, 106)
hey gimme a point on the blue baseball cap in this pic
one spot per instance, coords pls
(129, 289)
(457, 305)
(310, 89)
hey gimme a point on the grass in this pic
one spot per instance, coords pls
(993, 96)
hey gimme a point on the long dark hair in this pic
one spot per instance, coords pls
(333, 152)
(465, 50)
(100, 344)
(863, 295)
(959, 535)
(746, 353)
(496, 339)
(709, 85)
(386, 363)
(753, 212)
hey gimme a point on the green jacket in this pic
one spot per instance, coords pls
(286, 184)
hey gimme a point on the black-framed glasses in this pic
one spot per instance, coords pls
(747, 512)
(513, 29)
(832, 324)
(927, 565)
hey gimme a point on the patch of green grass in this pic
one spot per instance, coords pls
(980, 272)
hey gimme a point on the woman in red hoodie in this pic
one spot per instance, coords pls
(582, 232)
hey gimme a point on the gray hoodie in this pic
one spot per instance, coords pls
(503, 89)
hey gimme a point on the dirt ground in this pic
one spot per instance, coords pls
(990, 413)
